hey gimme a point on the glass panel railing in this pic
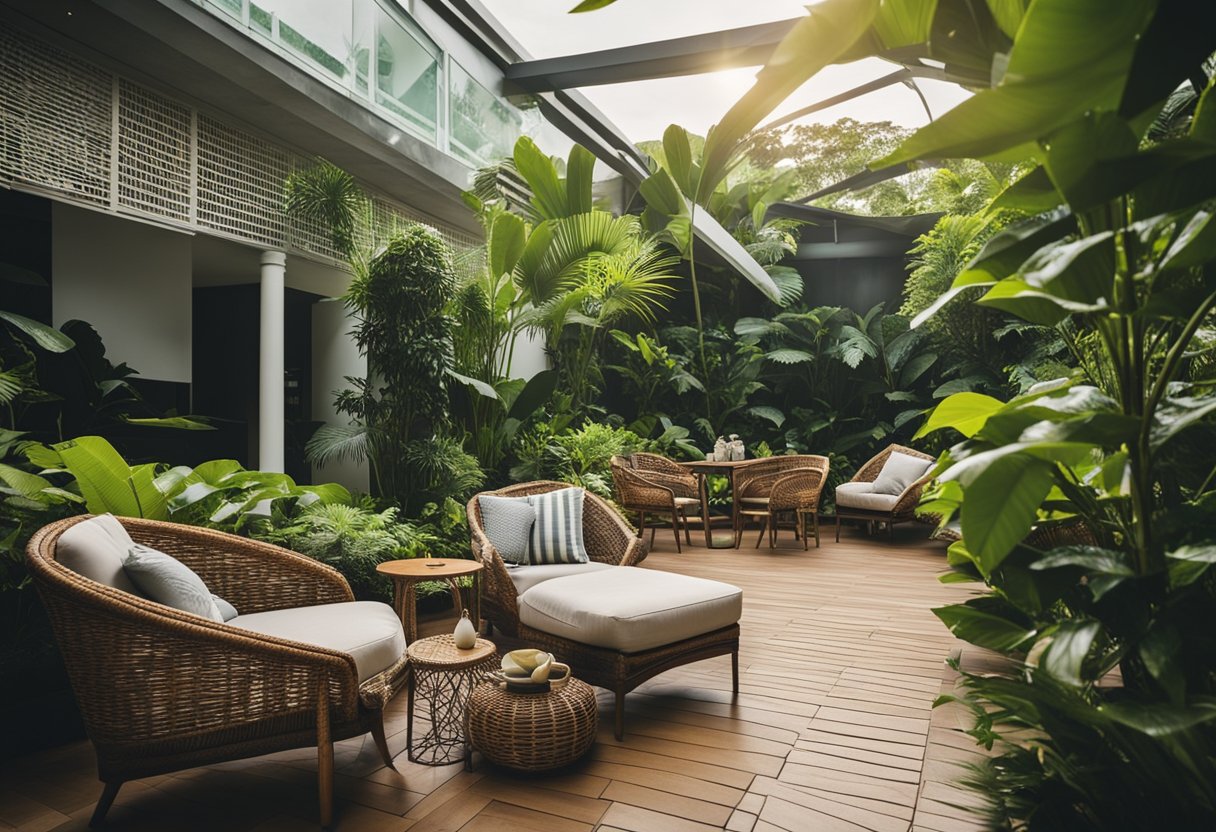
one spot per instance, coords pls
(407, 75)
(484, 127)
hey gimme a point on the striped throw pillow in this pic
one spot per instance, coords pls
(557, 534)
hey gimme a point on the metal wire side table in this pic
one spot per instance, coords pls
(444, 675)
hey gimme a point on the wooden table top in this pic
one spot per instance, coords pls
(426, 568)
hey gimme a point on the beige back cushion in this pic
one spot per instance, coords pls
(96, 549)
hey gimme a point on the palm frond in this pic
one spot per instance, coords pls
(330, 197)
(338, 443)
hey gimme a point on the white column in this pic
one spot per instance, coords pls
(270, 366)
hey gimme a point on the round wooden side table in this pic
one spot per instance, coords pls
(444, 675)
(405, 574)
(532, 731)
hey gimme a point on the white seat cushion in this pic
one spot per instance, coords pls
(755, 501)
(861, 495)
(367, 630)
(526, 577)
(96, 548)
(630, 609)
(684, 502)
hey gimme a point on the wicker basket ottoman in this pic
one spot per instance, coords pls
(532, 731)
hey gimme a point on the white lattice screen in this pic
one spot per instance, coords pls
(57, 120)
(70, 127)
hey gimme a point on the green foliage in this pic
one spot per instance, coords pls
(581, 457)
(1105, 718)
(399, 413)
(353, 539)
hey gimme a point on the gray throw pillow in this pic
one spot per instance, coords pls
(557, 534)
(898, 472)
(508, 523)
(168, 581)
(226, 610)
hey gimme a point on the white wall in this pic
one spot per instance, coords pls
(529, 357)
(131, 281)
(334, 356)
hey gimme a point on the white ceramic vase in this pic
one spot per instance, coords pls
(465, 634)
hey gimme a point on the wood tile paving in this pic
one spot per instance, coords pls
(833, 730)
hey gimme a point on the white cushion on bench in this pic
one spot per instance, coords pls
(861, 495)
(526, 577)
(367, 630)
(630, 609)
(96, 548)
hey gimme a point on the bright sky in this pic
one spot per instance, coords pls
(643, 109)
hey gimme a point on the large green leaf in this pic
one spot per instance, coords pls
(984, 629)
(829, 31)
(23, 482)
(965, 412)
(535, 395)
(107, 483)
(663, 194)
(1160, 720)
(1000, 505)
(506, 243)
(1070, 57)
(50, 339)
(1065, 655)
(678, 153)
(538, 170)
(580, 168)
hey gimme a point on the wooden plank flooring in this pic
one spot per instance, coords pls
(832, 731)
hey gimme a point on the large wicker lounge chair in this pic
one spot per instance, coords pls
(858, 500)
(163, 690)
(616, 628)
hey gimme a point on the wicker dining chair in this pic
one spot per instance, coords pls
(904, 506)
(778, 485)
(163, 690)
(651, 484)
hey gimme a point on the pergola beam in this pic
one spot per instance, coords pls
(693, 55)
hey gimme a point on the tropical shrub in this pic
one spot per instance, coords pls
(354, 539)
(399, 412)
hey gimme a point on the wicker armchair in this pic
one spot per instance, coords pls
(608, 540)
(904, 507)
(778, 485)
(651, 484)
(162, 690)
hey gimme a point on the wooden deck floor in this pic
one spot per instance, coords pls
(832, 731)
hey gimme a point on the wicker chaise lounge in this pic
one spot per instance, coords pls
(162, 690)
(610, 543)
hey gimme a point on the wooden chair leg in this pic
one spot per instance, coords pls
(763, 529)
(802, 525)
(619, 717)
(325, 756)
(382, 741)
(837, 528)
(675, 527)
(108, 793)
(815, 522)
(772, 531)
(687, 535)
(734, 672)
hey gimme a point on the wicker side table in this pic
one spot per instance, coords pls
(532, 731)
(443, 674)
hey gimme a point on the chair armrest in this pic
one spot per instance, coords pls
(909, 498)
(251, 575)
(680, 486)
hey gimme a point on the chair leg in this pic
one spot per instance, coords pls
(891, 531)
(763, 529)
(815, 521)
(838, 528)
(802, 525)
(382, 740)
(619, 717)
(687, 535)
(108, 793)
(675, 528)
(772, 531)
(734, 672)
(325, 756)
